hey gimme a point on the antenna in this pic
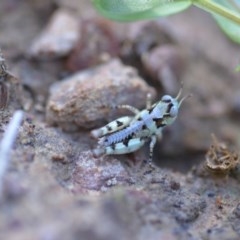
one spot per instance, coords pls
(180, 91)
(184, 98)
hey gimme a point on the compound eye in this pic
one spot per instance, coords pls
(166, 98)
(173, 111)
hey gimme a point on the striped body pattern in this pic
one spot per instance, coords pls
(129, 133)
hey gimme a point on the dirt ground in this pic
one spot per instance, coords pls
(67, 68)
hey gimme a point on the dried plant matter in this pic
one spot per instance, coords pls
(219, 159)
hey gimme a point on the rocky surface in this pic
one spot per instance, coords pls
(54, 187)
(77, 99)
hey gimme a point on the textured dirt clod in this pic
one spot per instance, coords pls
(85, 99)
(98, 174)
(12, 94)
(54, 188)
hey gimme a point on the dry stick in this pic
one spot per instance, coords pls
(7, 144)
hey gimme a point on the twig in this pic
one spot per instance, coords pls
(7, 143)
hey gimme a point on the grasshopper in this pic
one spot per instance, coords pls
(129, 133)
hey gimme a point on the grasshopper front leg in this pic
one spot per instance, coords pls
(151, 147)
(149, 101)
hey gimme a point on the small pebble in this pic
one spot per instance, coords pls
(58, 38)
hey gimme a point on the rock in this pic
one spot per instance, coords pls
(165, 64)
(98, 43)
(58, 38)
(189, 210)
(84, 99)
(144, 36)
(97, 174)
(224, 232)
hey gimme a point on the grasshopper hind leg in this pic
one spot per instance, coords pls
(113, 126)
(126, 146)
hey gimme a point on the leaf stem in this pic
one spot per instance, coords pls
(216, 8)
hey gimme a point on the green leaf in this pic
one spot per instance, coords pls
(237, 69)
(226, 13)
(132, 10)
(230, 28)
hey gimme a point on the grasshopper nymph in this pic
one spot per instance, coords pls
(129, 133)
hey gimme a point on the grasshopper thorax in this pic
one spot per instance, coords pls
(171, 106)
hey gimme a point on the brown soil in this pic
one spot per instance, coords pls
(54, 187)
